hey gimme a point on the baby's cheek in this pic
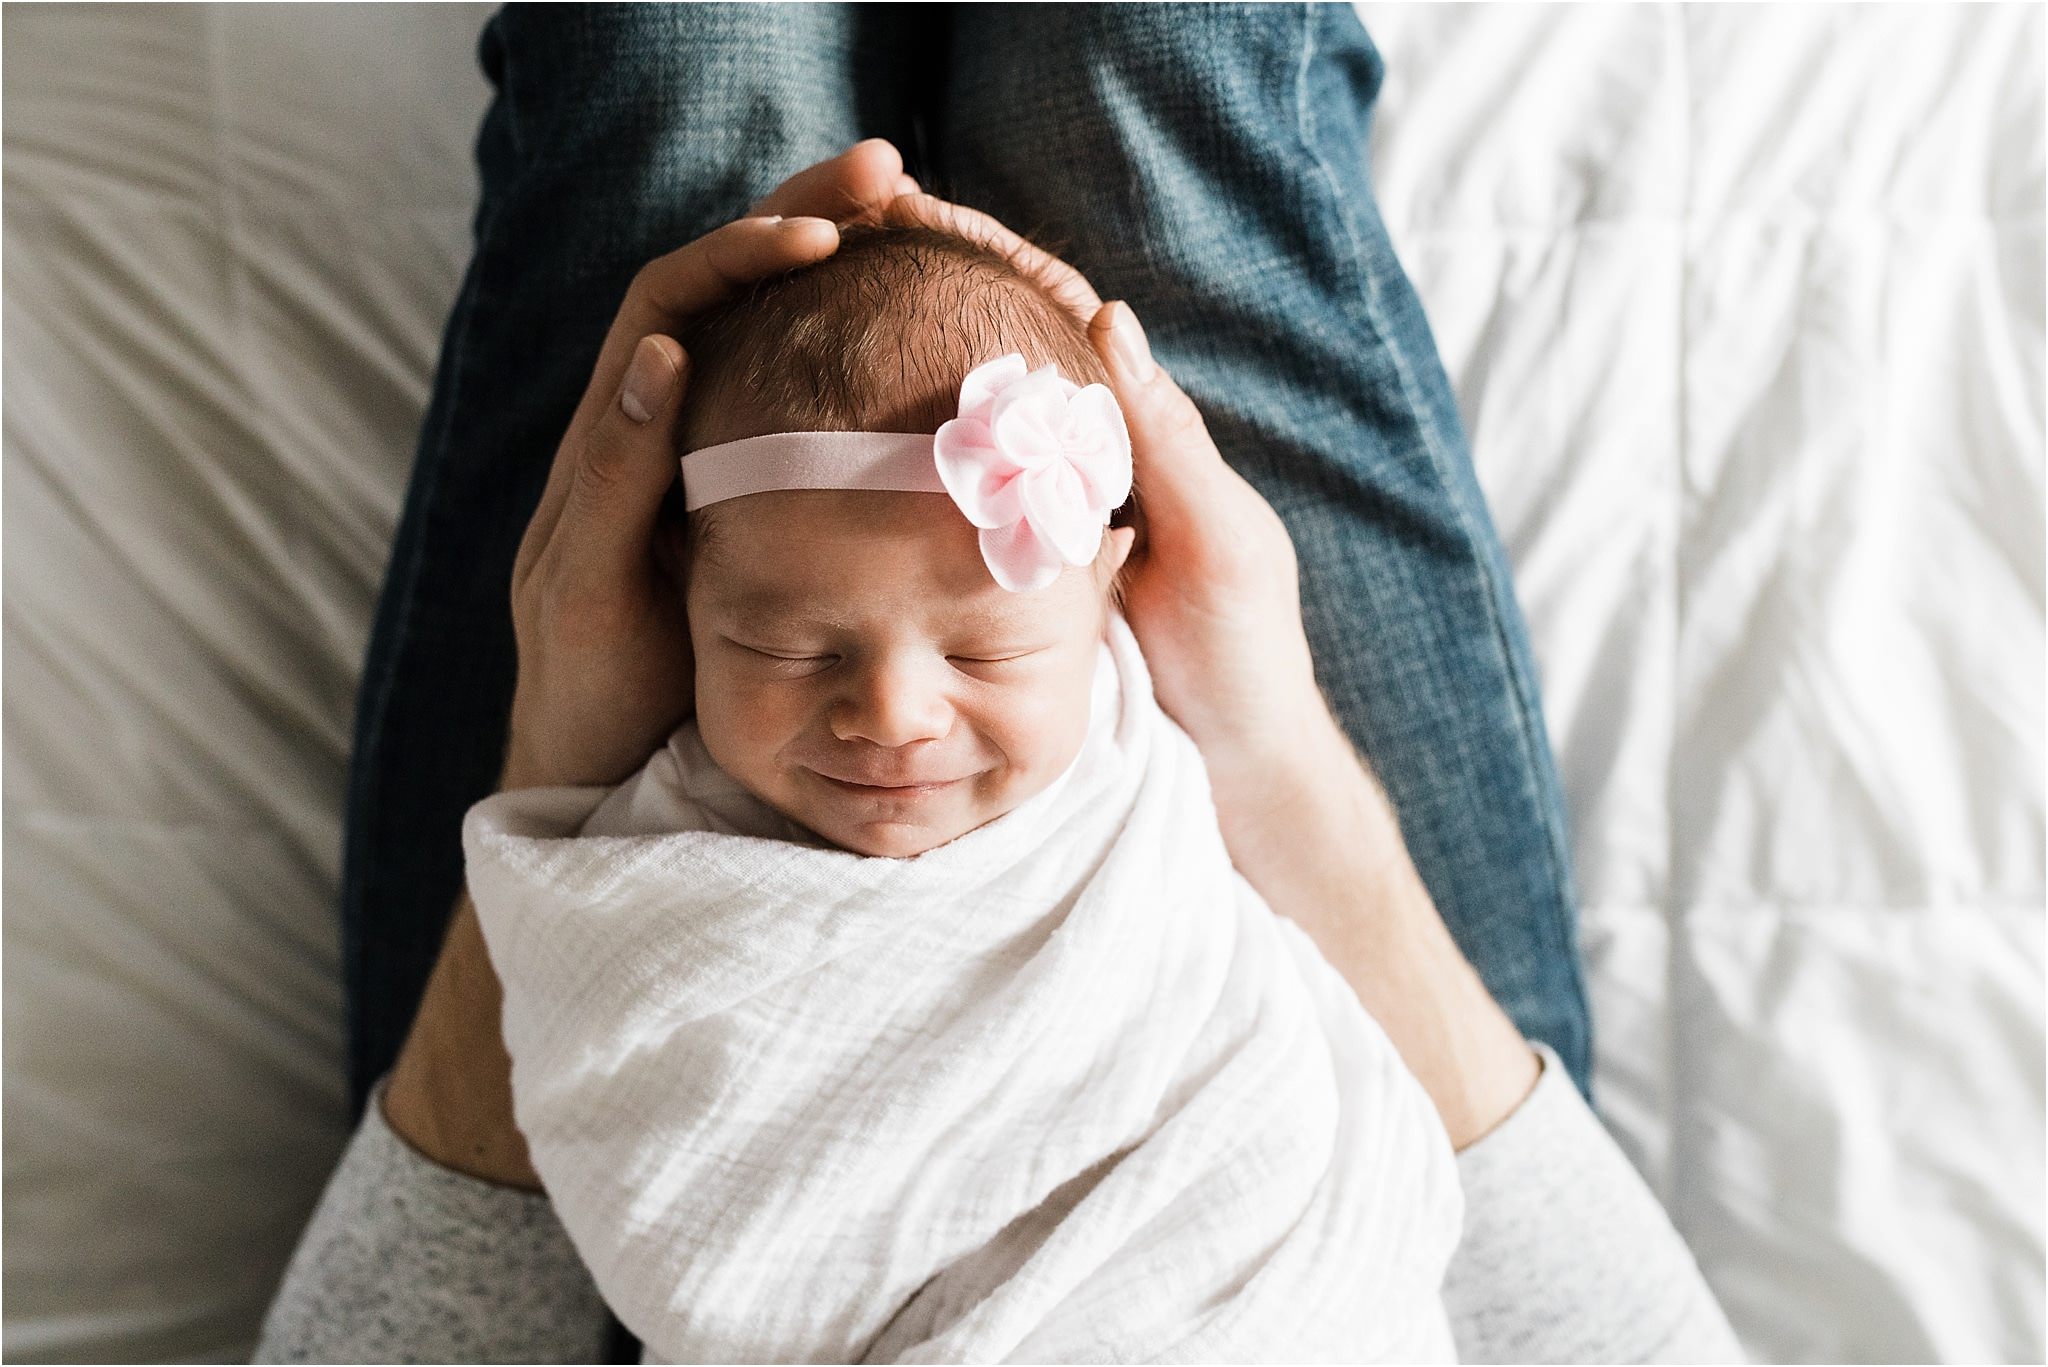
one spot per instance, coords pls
(739, 727)
(1045, 728)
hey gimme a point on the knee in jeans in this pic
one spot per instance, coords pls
(712, 81)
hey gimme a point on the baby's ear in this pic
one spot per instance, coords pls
(1110, 565)
(1120, 540)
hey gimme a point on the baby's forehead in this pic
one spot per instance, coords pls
(854, 598)
(777, 530)
(841, 555)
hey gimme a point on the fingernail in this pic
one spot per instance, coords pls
(648, 381)
(789, 224)
(772, 218)
(1128, 338)
(907, 185)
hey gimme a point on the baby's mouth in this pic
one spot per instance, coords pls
(918, 788)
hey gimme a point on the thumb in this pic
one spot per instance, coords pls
(1173, 458)
(627, 464)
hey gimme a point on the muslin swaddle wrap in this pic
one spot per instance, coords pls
(1063, 1089)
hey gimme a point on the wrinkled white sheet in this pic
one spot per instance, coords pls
(1743, 307)
(232, 238)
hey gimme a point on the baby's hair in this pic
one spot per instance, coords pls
(874, 338)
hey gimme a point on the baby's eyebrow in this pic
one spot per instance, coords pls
(762, 605)
(998, 616)
(751, 601)
(774, 607)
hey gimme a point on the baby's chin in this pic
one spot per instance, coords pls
(893, 839)
(893, 835)
(901, 836)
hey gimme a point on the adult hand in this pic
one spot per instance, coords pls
(1216, 604)
(1212, 587)
(604, 663)
(604, 655)
(1213, 595)
(1212, 590)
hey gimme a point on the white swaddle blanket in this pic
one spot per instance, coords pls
(1063, 1089)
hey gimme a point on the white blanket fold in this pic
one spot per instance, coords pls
(1063, 1089)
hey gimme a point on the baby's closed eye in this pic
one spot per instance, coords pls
(784, 661)
(794, 660)
(997, 654)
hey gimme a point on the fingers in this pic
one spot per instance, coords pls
(621, 469)
(617, 458)
(855, 184)
(692, 278)
(1067, 285)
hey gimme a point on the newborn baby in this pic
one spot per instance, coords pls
(860, 668)
(905, 1006)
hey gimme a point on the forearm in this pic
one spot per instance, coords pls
(450, 1094)
(1323, 847)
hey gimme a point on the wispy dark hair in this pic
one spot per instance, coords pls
(876, 337)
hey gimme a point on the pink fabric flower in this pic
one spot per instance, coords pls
(1038, 463)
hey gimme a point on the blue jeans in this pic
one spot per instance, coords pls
(1206, 164)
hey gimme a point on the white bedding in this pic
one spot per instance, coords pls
(1744, 310)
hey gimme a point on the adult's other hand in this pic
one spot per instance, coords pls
(1213, 595)
(604, 656)
(1211, 588)
(604, 663)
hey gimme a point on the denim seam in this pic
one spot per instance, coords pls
(1307, 135)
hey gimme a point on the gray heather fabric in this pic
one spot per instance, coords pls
(1567, 1257)
(407, 1261)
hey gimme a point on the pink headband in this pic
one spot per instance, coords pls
(1035, 461)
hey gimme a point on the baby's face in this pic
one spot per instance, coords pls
(859, 670)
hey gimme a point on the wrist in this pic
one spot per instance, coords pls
(1461, 1046)
(519, 773)
(1312, 829)
(1295, 782)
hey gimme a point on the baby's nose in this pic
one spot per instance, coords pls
(893, 706)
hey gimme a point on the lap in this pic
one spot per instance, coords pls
(1205, 163)
(616, 133)
(1212, 172)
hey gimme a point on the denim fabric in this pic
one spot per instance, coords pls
(617, 133)
(1207, 163)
